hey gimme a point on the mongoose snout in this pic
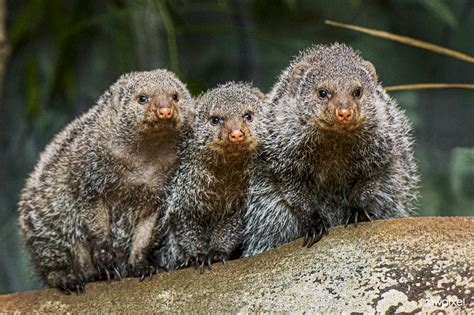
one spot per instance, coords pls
(344, 115)
(236, 136)
(164, 107)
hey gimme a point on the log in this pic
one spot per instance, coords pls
(398, 265)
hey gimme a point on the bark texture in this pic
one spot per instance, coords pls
(399, 265)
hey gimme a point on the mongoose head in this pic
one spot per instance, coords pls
(334, 88)
(228, 118)
(150, 102)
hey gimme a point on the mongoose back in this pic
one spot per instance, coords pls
(88, 208)
(204, 212)
(338, 150)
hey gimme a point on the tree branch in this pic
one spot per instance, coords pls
(399, 265)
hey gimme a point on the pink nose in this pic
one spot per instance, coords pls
(236, 136)
(165, 112)
(344, 114)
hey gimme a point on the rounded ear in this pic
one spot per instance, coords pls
(116, 89)
(371, 69)
(261, 96)
(296, 74)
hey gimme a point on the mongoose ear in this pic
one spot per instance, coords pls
(296, 75)
(371, 69)
(116, 89)
(261, 96)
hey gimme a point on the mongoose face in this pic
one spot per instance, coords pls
(228, 117)
(150, 101)
(334, 88)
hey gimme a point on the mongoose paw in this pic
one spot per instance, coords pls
(314, 234)
(215, 255)
(143, 270)
(358, 214)
(103, 259)
(72, 284)
(67, 281)
(199, 261)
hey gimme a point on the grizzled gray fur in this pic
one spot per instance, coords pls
(89, 207)
(338, 150)
(204, 210)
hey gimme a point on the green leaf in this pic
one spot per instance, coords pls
(33, 106)
(27, 21)
(442, 11)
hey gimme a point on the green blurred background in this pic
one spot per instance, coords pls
(64, 54)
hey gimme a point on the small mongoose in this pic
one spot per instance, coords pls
(338, 150)
(88, 208)
(204, 209)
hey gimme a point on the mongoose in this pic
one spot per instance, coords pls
(338, 150)
(88, 208)
(204, 210)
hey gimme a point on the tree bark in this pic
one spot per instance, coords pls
(398, 265)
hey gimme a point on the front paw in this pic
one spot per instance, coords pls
(358, 214)
(143, 270)
(314, 233)
(67, 281)
(103, 259)
(215, 255)
(198, 260)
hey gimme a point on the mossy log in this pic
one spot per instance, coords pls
(399, 265)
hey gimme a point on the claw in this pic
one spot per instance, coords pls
(117, 272)
(83, 287)
(305, 240)
(64, 289)
(367, 215)
(355, 213)
(78, 288)
(314, 234)
(107, 274)
(142, 276)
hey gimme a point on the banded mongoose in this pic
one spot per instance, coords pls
(338, 150)
(88, 208)
(204, 211)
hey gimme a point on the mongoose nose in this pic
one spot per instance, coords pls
(344, 114)
(165, 112)
(236, 136)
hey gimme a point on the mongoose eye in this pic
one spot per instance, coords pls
(248, 116)
(142, 99)
(175, 97)
(322, 93)
(357, 93)
(216, 120)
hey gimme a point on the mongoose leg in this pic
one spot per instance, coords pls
(55, 264)
(139, 265)
(226, 238)
(103, 259)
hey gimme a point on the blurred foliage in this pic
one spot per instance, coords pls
(66, 53)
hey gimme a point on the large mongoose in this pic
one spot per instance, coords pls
(204, 210)
(88, 208)
(338, 150)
